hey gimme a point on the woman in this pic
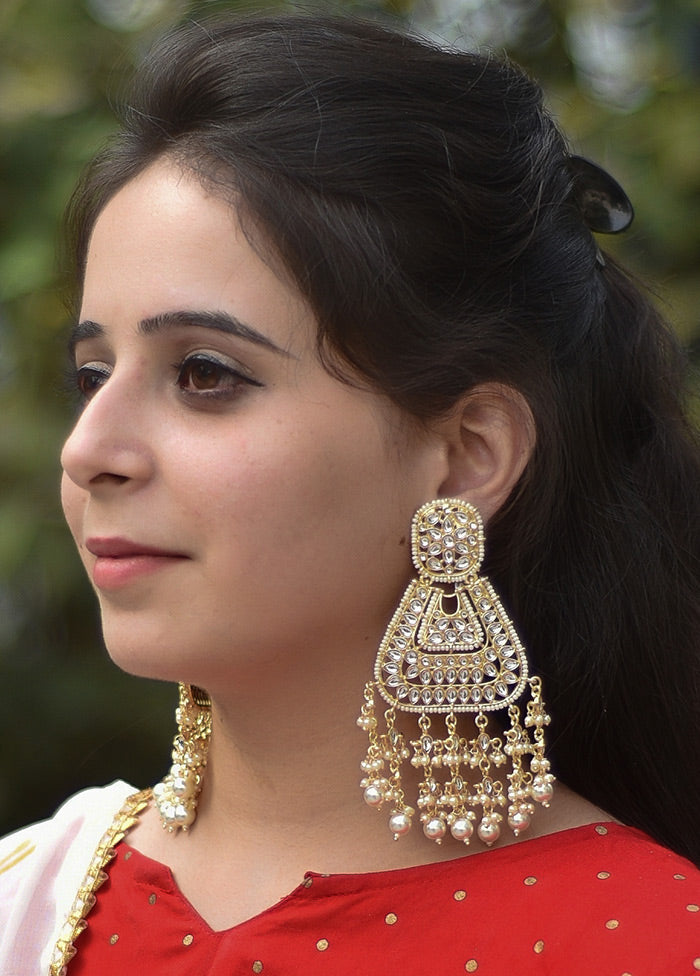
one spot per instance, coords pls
(341, 306)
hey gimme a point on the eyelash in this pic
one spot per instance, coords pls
(213, 368)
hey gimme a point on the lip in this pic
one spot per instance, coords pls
(118, 548)
(119, 561)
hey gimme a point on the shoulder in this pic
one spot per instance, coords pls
(610, 870)
(41, 867)
(623, 899)
(601, 898)
(614, 897)
(608, 851)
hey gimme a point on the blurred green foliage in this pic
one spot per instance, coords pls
(622, 78)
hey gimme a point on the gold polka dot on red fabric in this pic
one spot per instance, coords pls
(188, 940)
(530, 881)
(696, 963)
(611, 924)
(603, 875)
(679, 877)
(322, 945)
(391, 919)
(257, 966)
(600, 829)
(471, 965)
(460, 894)
(307, 882)
(692, 908)
(113, 939)
(152, 899)
(539, 946)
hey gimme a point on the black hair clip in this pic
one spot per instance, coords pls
(601, 201)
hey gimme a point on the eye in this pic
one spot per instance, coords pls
(205, 375)
(90, 378)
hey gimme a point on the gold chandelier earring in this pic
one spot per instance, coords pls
(450, 648)
(176, 796)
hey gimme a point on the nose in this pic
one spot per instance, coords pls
(109, 445)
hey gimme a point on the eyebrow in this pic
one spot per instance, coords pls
(219, 321)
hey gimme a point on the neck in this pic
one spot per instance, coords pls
(292, 759)
(284, 771)
(281, 796)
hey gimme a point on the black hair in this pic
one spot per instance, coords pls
(421, 200)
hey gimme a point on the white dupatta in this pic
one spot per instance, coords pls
(41, 869)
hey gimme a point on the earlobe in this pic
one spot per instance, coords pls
(490, 436)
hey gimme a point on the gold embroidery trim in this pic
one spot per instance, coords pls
(14, 857)
(95, 876)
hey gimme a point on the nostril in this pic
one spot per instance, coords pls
(107, 477)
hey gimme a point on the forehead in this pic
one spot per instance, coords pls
(164, 242)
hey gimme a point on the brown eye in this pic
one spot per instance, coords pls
(89, 380)
(202, 374)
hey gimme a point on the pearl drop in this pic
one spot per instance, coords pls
(435, 829)
(183, 816)
(462, 829)
(488, 832)
(518, 822)
(399, 824)
(180, 786)
(542, 791)
(373, 796)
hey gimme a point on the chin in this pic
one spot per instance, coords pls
(147, 652)
(140, 665)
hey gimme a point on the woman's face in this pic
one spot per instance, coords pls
(230, 499)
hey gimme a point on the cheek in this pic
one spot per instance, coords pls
(262, 470)
(278, 501)
(310, 494)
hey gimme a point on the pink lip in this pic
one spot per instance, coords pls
(120, 561)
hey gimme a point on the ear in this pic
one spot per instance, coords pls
(489, 436)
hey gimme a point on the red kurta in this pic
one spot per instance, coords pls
(599, 900)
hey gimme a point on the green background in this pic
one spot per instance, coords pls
(621, 77)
